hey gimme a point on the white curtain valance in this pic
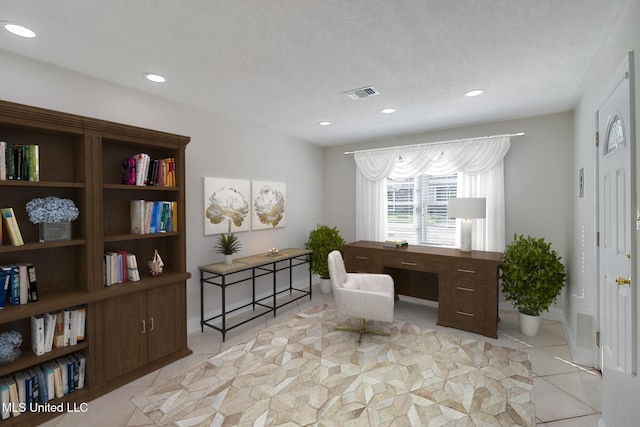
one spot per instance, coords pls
(478, 162)
(468, 156)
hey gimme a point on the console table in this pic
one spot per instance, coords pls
(465, 284)
(220, 275)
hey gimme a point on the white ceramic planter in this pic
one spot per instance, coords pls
(325, 286)
(228, 259)
(529, 325)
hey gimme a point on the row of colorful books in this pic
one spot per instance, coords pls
(19, 161)
(57, 329)
(141, 170)
(18, 283)
(119, 267)
(10, 226)
(29, 390)
(149, 217)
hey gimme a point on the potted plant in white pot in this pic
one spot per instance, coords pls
(322, 240)
(228, 244)
(532, 276)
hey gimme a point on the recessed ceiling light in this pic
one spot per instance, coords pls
(324, 123)
(19, 30)
(156, 78)
(388, 110)
(474, 92)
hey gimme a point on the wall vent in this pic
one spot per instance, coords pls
(363, 92)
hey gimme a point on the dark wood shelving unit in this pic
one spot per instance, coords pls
(131, 328)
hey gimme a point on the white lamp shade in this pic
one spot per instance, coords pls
(467, 207)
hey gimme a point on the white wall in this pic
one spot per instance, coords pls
(620, 392)
(538, 177)
(219, 147)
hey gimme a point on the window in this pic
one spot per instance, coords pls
(417, 209)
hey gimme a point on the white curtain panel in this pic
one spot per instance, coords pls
(478, 161)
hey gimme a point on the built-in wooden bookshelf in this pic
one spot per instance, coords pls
(132, 328)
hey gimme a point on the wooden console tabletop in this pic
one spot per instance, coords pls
(465, 284)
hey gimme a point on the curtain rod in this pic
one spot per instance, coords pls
(432, 143)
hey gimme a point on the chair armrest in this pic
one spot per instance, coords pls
(372, 282)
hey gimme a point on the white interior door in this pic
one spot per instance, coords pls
(614, 205)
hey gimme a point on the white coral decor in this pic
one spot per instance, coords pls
(51, 209)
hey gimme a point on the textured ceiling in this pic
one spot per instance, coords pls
(285, 64)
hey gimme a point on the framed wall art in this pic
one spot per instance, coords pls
(268, 205)
(226, 205)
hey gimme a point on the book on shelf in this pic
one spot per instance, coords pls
(37, 334)
(133, 274)
(11, 226)
(50, 320)
(23, 274)
(33, 284)
(129, 171)
(61, 334)
(21, 379)
(5, 408)
(43, 393)
(395, 243)
(14, 286)
(13, 396)
(137, 214)
(5, 283)
(3, 160)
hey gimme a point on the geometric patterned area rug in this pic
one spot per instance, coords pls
(302, 372)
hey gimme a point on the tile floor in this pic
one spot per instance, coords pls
(565, 394)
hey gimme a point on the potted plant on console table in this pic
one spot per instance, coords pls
(532, 278)
(322, 240)
(228, 244)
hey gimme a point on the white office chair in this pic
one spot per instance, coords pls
(361, 295)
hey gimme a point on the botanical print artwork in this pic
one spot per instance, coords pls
(269, 204)
(226, 204)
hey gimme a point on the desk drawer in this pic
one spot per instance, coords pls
(474, 270)
(406, 261)
(362, 261)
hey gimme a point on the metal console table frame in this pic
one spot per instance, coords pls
(259, 265)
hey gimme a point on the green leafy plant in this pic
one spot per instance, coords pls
(532, 274)
(322, 240)
(228, 244)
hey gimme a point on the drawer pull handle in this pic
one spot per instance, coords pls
(466, 289)
(408, 263)
(361, 257)
(462, 270)
(466, 314)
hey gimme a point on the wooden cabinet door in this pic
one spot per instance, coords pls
(124, 334)
(166, 320)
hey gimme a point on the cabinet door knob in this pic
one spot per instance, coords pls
(413, 264)
(144, 327)
(463, 270)
(152, 325)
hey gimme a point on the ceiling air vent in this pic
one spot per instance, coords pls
(363, 92)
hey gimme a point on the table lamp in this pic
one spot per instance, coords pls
(466, 209)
